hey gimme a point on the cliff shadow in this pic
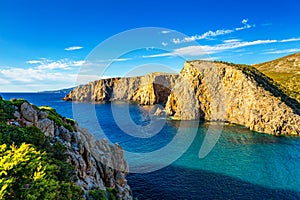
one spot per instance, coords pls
(175, 182)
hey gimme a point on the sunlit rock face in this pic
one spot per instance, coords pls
(214, 91)
(146, 90)
(233, 93)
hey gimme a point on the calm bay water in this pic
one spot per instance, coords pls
(242, 165)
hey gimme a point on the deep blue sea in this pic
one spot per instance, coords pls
(242, 164)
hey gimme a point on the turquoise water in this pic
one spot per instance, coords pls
(242, 165)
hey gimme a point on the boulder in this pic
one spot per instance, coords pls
(29, 113)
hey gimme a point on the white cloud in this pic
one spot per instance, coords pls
(120, 59)
(207, 49)
(246, 25)
(231, 40)
(165, 32)
(283, 51)
(210, 34)
(73, 48)
(159, 55)
(245, 21)
(44, 74)
(203, 36)
(104, 62)
(34, 62)
(164, 44)
(226, 45)
(64, 64)
(31, 75)
(291, 40)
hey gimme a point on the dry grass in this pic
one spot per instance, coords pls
(286, 72)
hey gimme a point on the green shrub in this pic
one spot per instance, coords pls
(6, 111)
(97, 195)
(17, 102)
(25, 173)
(32, 135)
(70, 121)
(112, 193)
(69, 127)
(57, 118)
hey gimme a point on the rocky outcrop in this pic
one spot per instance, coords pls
(146, 90)
(98, 164)
(234, 93)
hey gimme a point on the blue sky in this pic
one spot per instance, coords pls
(45, 44)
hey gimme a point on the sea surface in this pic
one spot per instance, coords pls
(242, 165)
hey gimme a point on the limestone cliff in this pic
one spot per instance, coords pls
(98, 165)
(234, 93)
(146, 90)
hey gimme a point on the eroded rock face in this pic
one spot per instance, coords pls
(146, 90)
(98, 164)
(217, 91)
(29, 113)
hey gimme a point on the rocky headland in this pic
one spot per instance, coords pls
(99, 166)
(212, 91)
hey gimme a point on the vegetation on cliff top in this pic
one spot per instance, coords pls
(286, 72)
(268, 84)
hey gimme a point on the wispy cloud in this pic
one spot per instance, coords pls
(203, 36)
(59, 73)
(106, 61)
(232, 44)
(47, 64)
(164, 44)
(31, 75)
(231, 40)
(159, 55)
(211, 34)
(34, 61)
(73, 48)
(246, 25)
(165, 31)
(120, 59)
(207, 49)
(283, 51)
(291, 40)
